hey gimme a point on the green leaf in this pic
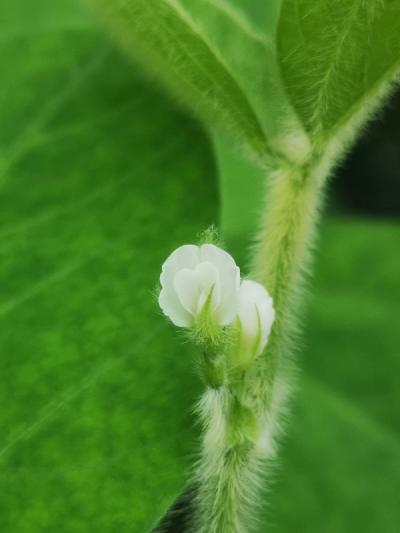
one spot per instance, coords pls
(340, 468)
(100, 180)
(249, 54)
(262, 14)
(161, 34)
(339, 471)
(337, 57)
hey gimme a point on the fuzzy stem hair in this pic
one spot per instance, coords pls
(227, 472)
(281, 260)
(237, 445)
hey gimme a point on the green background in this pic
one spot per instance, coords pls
(101, 176)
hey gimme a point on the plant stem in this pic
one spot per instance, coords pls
(227, 466)
(237, 442)
(282, 258)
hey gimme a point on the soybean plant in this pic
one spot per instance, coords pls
(291, 100)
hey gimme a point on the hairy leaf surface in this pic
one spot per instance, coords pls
(337, 56)
(250, 54)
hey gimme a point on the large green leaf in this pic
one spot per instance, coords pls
(161, 34)
(337, 56)
(101, 179)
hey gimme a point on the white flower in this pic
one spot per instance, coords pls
(256, 316)
(193, 275)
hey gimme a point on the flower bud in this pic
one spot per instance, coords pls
(255, 318)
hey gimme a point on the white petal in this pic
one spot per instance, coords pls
(189, 274)
(230, 285)
(186, 289)
(247, 310)
(218, 257)
(209, 280)
(230, 281)
(193, 286)
(172, 308)
(255, 311)
(267, 317)
(186, 256)
(253, 291)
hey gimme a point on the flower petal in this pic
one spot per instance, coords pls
(186, 256)
(247, 309)
(230, 285)
(267, 316)
(172, 308)
(255, 311)
(230, 280)
(194, 286)
(218, 257)
(190, 274)
(209, 280)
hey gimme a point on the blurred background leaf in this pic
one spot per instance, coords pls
(100, 180)
(101, 176)
(340, 465)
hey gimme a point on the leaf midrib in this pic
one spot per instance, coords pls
(213, 81)
(240, 21)
(337, 52)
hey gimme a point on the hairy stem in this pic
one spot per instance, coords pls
(282, 258)
(241, 418)
(228, 464)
